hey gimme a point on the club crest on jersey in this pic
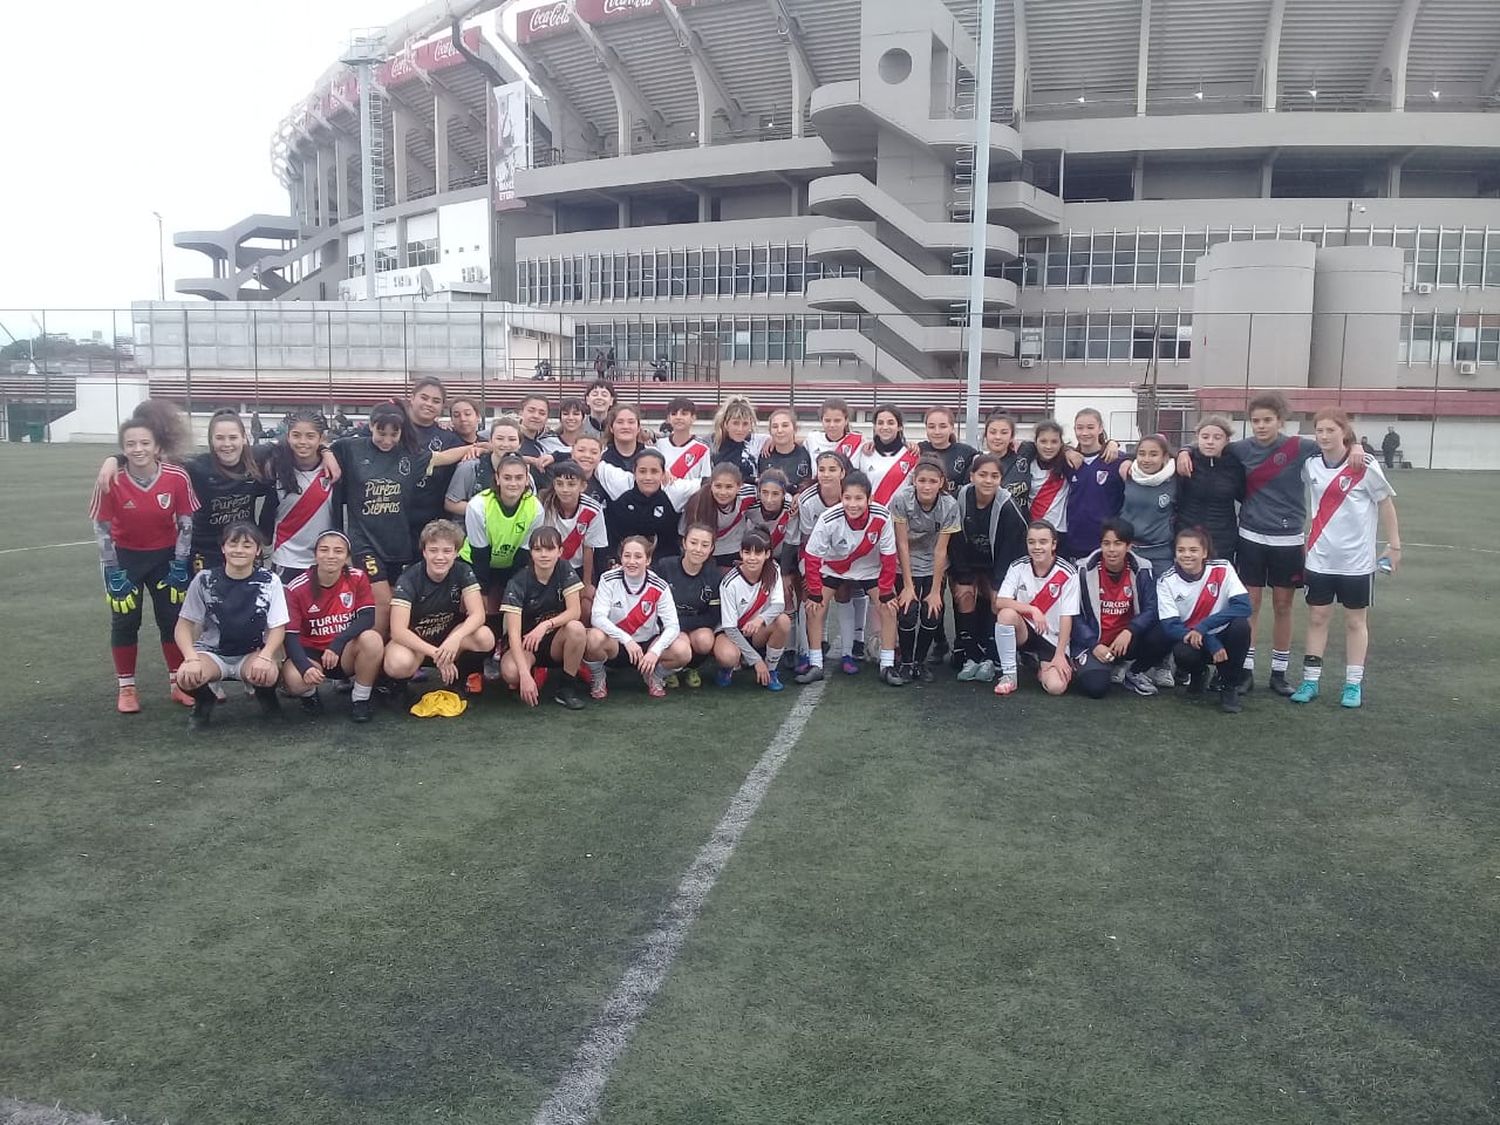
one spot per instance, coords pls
(1279, 459)
(1213, 588)
(1023, 464)
(1126, 592)
(657, 511)
(1102, 475)
(871, 536)
(1054, 588)
(1344, 483)
(1163, 500)
(404, 466)
(346, 599)
(690, 458)
(164, 500)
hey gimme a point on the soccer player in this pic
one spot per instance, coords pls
(624, 438)
(644, 503)
(754, 624)
(634, 623)
(382, 470)
(851, 547)
(1095, 491)
(570, 424)
(1149, 499)
(1036, 612)
(1209, 495)
(330, 630)
(736, 443)
(991, 535)
(784, 453)
(598, 400)
(1204, 611)
(1341, 547)
(498, 526)
(232, 626)
(1050, 477)
(695, 580)
(306, 501)
(577, 517)
(1119, 607)
(143, 521)
(437, 612)
(1015, 457)
(539, 447)
(543, 612)
(887, 458)
(1272, 517)
(829, 469)
(464, 419)
(723, 502)
(425, 432)
(836, 436)
(926, 518)
(943, 444)
(687, 456)
(478, 473)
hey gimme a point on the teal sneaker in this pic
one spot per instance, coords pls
(1306, 692)
(1353, 696)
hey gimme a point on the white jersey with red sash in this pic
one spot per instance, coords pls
(1194, 600)
(742, 603)
(779, 527)
(1056, 593)
(685, 462)
(863, 553)
(887, 472)
(1049, 497)
(636, 610)
(300, 518)
(849, 445)
(729, 530)
(585, 529)
(1345, 514)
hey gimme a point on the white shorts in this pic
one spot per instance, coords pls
(229, 666)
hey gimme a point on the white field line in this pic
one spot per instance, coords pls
(575, 1099)
(46, 547)
(1451, 547)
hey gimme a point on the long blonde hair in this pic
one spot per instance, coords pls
(734, 408)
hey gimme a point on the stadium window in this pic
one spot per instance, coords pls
(1492, 260)
(795, 272)
(695, 273)
(760, 277)
(726, 271)
(422, 252)
(776, 340)
(648, 276)
(778, 270)
(678, 274)
(596, 292)
(620, 278)
(742, 271)
(711, 271)
(1427, 257)
(521, 294)
(742, 338)
(633, 275)
(1489, 343)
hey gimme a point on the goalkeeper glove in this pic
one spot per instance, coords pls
(176, 581)
(119, 591)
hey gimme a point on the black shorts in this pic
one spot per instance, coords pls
(688, 625)
(1352, 591)
(968, 572)
(335, 673)
(856, 586)
(1038, 646)
(378, 569)
(1277, 567)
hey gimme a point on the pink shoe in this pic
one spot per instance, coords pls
(1006, 684)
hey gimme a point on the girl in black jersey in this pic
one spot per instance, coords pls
(942, 442)
(381, 472)
(570, 414)
(599, 399)
(695, 579)
(650, 508)
(785, 453)
(1015, 457)
(543, 616)
(423, 411)
(735, 441)
(623, 433)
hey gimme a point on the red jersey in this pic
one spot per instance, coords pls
(320, 613)
(144, 518)
(1116, 603)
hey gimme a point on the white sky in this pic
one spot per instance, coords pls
(115, 110)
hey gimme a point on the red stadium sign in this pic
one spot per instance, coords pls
(553, 18)
(422, 58)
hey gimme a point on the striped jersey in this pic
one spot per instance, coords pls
(583, 530)
(1057, 593)
(636, 609)
(1345, 505)
(1194, 600)
(685, 462)
(1049, 496)
(888, 472)
(858, 553)
(301, 517)
(742, 603)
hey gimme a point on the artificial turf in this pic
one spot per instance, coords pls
(950, 908)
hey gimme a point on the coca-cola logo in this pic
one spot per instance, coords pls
(548, 19)
(612, 7)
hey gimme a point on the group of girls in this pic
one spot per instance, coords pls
(728, 550)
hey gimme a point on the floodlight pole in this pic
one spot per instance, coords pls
(979, 218)
(367, 172)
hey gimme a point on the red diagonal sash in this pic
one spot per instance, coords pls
(1267, 471)
(895, 476)
(691, 454)
(644, 610)
(1333, 496)
(1045, 598)
(742, 505)
(757, 604)
(778, 529)
(307, 505)
(866, 545)
(1208, 597)
(581, 523)
(849, 444)
(1041, 503)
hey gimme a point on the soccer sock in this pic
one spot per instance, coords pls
(1280, 660)
(1312, 668)
(361, 692)
(1250, 659)
(887, 657)
(173, 656)
(596, 671)
(1005, 645)
(861, 604)
(773, 656)
(124, 658)
(1354, 674)
(815, 658)
(309, 693)
(849, 630)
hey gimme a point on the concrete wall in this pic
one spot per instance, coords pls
(1356, 316)
(1274, 281)
(1176, 181)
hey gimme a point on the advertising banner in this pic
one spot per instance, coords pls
(510, 142)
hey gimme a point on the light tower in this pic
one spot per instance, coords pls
(366, 51)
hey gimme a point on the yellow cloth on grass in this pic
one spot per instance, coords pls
(444, 703)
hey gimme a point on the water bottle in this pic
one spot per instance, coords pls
(1383, 564)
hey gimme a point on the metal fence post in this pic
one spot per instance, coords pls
(114, 334)
(1249, 352)
(187, 370)
(255, 351)
(46, 384)
(328, 324)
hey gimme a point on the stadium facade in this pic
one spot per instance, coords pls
(1301, 193)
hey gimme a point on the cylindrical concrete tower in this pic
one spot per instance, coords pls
(1252, 321)
(1356, 316)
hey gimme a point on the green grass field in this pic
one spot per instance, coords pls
(949, 908)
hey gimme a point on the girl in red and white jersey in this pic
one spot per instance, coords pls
(1035, 608)
(735, 441)
(852, 547)
(1049, 477)
(888, 458)
(1204, 609)
(634, 623)
(304, 506)
(754, 623)
(723, 502)
(688, 457)
(775, 517)
(1346, 501)
(578, 519)
(836, 436)
(143, 521)
(829, 469)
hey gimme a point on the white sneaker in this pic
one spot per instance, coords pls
(986, 672)
(968, 671)
(1117, 673)
(1162, 675)
(1140, 683)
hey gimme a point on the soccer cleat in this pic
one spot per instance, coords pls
(774, 683)
(925, 674)
(1247, 682)
(599, 688)
(802, 665)
(474, 683)
(1306, 692)
(1229, 700)
(203, 712)
(859, 650)
(849, 665)
(360, 711)
(182, 697)
(1140, 683)
(1162, 676)
(1196, 680)
(892, 678)
(311, 704)
(985, 672)
(813, 674)
(1353, 696)
(724, 677)
(128, 702)
(270, 706)
(693, 678)
(654, 687)
(968, 671)
(673, 682)
(1007, 683)
(567, 693)
(1117, 673)
(1279, 684)
(491, 669)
